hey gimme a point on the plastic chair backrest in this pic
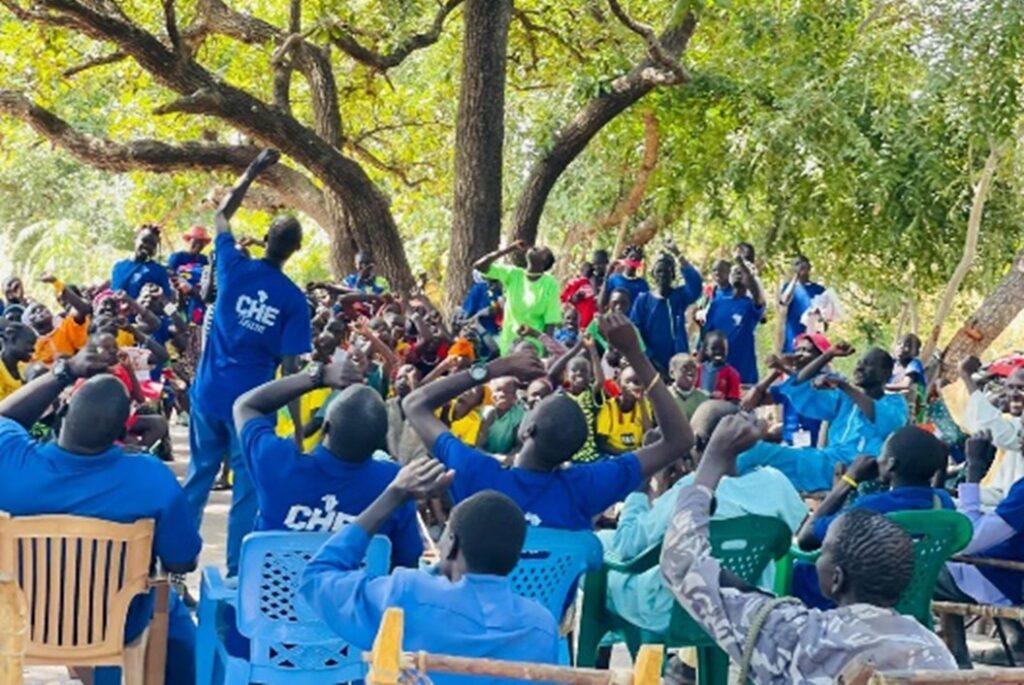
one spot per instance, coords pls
(937, 535)
(550, 564)
(79, 576)
(283, 629)
(744, 546)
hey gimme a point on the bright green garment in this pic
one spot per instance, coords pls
(595, 333)
(534, 303)
(501, 436)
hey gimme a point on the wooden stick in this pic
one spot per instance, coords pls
(978, 610)
(1010, 675)
(992, 563)
(512, 670)
(13, 629)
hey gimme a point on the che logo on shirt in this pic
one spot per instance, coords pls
(255, 314)
(301, 517)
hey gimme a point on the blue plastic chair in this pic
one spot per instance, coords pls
(550, 566)
(286, 642)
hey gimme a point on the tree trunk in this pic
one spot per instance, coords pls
(989, 320)
(479, 136)
(343, 247)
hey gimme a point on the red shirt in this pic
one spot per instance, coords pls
(726, 384)
(586, 306)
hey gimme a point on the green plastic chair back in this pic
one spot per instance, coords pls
(937, 535)
(743, 545)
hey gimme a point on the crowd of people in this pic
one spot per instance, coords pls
(626, 399)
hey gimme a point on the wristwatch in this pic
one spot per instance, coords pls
(315, 371)
(62, 371)
(478, 372)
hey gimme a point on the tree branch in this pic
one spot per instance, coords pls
(573, 138)
(343, 38)
(655, 49)
(112, 58)
(171, 24)
(293, 188)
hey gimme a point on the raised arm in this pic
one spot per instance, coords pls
(157, 350)
(862, 469)
(840, 349)
(271, 396)
(82, 307)
(676, 435)
(148, 319)
(860, 398)
(421, 403)
(558, 366)
(391, 360)
(758, 396)
(753, 286)
(233, 200)
(29, 402)
(484, 263)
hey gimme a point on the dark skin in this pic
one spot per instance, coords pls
(147, 242)
(535, 263)
(801, 273)
(1014, 386)
(743, 282)
(869, 376)
(677, 436)
(14, 291)
(721, 272)
(632, 393)
(81, 306)
(18, 347)
(758, 396)
(221, 221)
(664, 277)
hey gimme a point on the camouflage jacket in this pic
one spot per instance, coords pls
(796, 644)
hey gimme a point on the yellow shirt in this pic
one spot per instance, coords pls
(623, 430)
(308, 406)
(8, 383)
(467, 429)
(63, 341)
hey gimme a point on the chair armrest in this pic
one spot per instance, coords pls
(784, 568)
(647, 559)
(213, 587)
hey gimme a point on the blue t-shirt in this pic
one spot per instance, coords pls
(185, 258)
(129, 275)
(662, 320)
(737, 319)
(377, 286)
(41, 478)
(1011, 510)
(320, 492)
(567, 498)
(482, 296)
(801, 302)
(260, 317)
(634, 286)
(909, 498)
(792, 421)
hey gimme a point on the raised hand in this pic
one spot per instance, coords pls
(519, 246)
(618, 330)
(733, 436)
(91, 360)
(863, 468)
(524, 367)
(421, 478)
(264, 160)
(341, 375)
(48, 278)
(842, 349)
(970, 365)
(980, 455)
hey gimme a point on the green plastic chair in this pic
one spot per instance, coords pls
(744, 546)
(938, 534)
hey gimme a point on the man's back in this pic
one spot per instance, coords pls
(477, 616)
(260, 317)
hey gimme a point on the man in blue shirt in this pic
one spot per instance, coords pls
(860, 418)
(130, 275)
(796, 297)
(660, 315)
(483, 302)
(326, 488)
(470, 609)
(628, 279)
(84, 473)
(736, 316)
(198, 239)
(365, 279)
(550, 494)
(260, 321)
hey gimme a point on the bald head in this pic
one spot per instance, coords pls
(96, 415)
(356, 424)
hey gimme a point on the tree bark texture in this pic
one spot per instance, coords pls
(479, 137)
(996, 312)
(587, 123)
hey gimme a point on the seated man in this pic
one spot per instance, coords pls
(643, 599)
(860, 418)
(84, 473)
(982, 415)
(326, 488)
(866, 563)
(550, 494)
(468, 610)
(997, 535)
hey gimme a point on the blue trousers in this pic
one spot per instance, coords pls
(810, 469)
(210, 440)
(181, 648)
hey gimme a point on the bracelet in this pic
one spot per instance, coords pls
(849, 481)
(654, 382)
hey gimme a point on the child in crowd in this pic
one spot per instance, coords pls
(716, 376)
(501, 420)
(623, 420)
(583, 382)
(683, 369)
(569, 332)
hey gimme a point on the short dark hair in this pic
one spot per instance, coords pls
(96, 413)
(357, 423)
(490, 529)
(888, 363)
(707, 417)
(876, 555)
(560, 428)
(284, 236)
(918, 453)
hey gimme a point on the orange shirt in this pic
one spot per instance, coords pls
(65, 340)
